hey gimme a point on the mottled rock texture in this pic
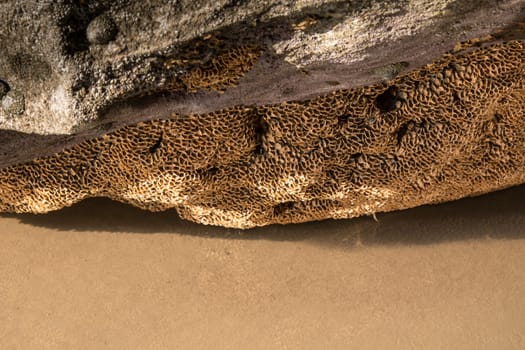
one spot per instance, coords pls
(74, 60)
(247, 113)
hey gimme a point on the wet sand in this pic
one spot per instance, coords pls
(103, 275)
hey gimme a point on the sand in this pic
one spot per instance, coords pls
(103, 275)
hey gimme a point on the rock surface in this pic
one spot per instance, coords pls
(310, 47)
(252, 112)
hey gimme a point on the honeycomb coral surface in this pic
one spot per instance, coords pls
(450, 129)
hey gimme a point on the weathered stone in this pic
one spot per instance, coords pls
(310, 47)
(101, 30)
(4, 88)
(13, 103)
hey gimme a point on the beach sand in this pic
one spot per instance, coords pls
(103, 275)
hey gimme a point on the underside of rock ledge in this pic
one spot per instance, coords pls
(254, 123)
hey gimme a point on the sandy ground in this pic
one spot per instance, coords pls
(102, 275)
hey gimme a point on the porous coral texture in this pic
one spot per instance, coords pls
(451, 129)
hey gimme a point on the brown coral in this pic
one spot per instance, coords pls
(450, 129)
(218, 73)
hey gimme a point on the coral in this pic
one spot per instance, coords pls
(450, 129)
(220, 72)
(223, 71)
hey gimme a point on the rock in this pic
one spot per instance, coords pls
(101, 30)
(389, 146)
(256, 112)
(13, 103)
(4, 88)
(56, 49)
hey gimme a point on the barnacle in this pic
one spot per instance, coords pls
(453, 128)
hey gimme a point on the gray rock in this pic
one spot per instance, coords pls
(101, 30)
(77, 74)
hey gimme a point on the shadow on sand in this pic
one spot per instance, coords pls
(499, 215)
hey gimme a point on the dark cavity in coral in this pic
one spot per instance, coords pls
(261, 129)
(155, 147)
(388, 100)
(281, 208)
